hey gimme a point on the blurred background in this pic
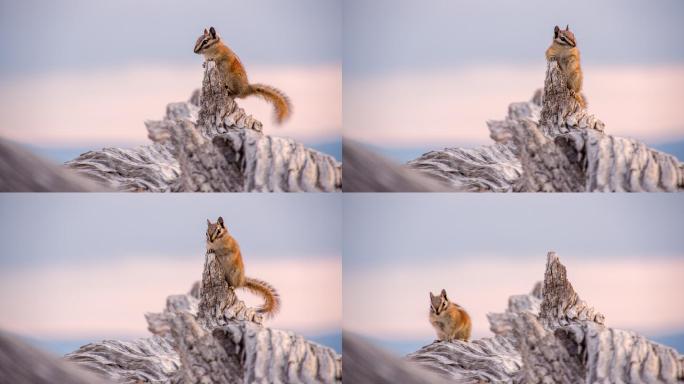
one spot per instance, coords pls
(77, 75)
(425, 75)
(624, 255)
(79, 268)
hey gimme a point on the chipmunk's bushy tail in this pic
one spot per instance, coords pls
(581, 99)
(271, 298)
(283, 108)
(584, 102)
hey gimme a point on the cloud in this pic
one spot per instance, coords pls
(449, 107)
(108, 107)
(391, 301)
(110, 298)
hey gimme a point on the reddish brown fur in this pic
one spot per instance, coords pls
(234, 75)
(227, 251)
(568, 58)
(451, 322)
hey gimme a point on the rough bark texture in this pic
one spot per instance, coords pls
(488, 168)
(218, 301)
(545, 357)
(551, 144)
(209, 336)
(560, 304)
(209, 144)
(22, 171)
(488, 360)
(147, 168)
(547, 336)
(150, 360)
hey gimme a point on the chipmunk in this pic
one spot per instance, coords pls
(227, 252)
(234, 75)
(564, 50)
(449, 319)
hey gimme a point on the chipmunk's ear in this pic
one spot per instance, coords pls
(206, 32)
(555, 31)
(212, 31)
(443, 294)
(431, 296)
(220, 222)
(567, 27)
(208, 223)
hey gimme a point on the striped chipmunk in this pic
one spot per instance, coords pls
(564, 50)
(234, 76)
(227, 252)
(451, 321)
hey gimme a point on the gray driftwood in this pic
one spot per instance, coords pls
(22, 363)
(22, 171)
(548, 144)
(209, 144)
(358, 161)
(547, 336)
(366, 363)
(210, 336)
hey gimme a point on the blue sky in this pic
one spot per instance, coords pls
(392, 35)
(39, 36)
(271, 226)
(381, 229)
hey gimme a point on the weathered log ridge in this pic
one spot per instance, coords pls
(22, 171)
(551, 144)
(209, 144)
(22, 363)
(358, 160)
(209, 336)
(547, 336)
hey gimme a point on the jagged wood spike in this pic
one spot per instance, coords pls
(218, 302)
(561, 304)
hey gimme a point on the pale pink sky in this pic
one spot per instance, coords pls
(110, 299)
(391, 301)
(109, 106)
(448, 107)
